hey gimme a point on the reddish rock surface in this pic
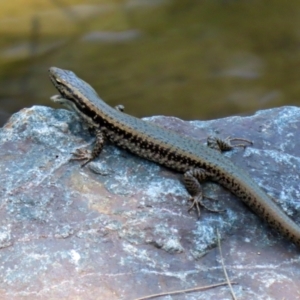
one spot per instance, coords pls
(119, 227)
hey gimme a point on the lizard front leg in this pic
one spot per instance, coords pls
(88, 156)
(120, 107)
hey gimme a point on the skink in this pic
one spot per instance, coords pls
(172, 150)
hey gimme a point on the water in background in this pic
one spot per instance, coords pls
(191, 59)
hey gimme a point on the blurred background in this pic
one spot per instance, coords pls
(191, 59)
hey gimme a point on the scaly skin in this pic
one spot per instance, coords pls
(167, 148)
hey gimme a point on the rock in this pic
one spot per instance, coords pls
(119, 227)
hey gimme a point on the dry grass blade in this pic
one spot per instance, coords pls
(224, 269)
(185, 291)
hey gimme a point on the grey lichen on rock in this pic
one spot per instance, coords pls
(119, 228)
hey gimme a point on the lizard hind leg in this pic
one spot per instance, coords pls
(225, 144)
(192, 183)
